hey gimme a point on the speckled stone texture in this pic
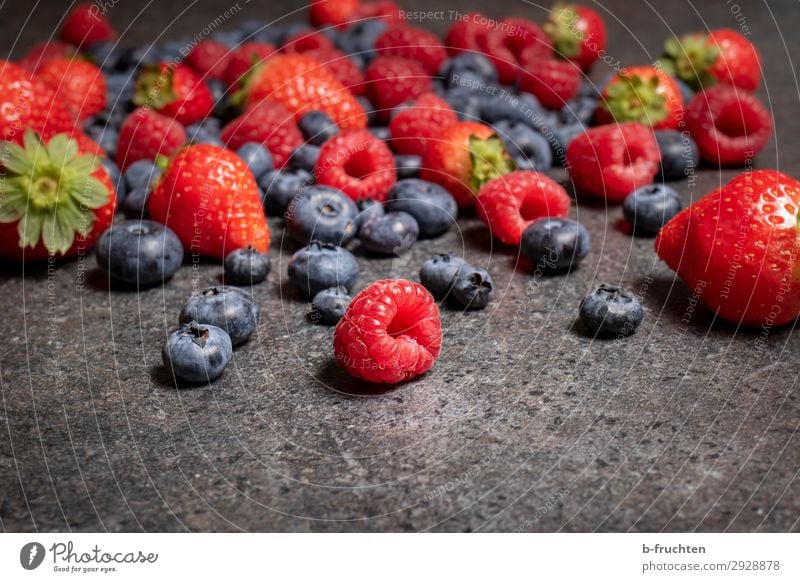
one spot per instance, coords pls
(523, 424)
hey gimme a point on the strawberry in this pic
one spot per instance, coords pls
(729, 125)
(462, 157)
(269, 123)
(244, 57)
(174, 90)
(209, 59)
(414, 44)
(305, 41)
(209, 197)
(552, 81)
(77, 83)
(504, 43)
(56, 199)
(612, 161)
(413, 127)
(145, 134)
(737, 249)
(325, 13)
(357, 163)
(300, 83)
(644, 94)
(395, 80)
(85, 25)
(578, 33)
(41, 53)
(720, 56)
(467, 34)
(342, 67)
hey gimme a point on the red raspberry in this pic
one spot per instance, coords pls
(729, 125)
(394, 80)
(413, 127)
(357, 163)
(332, 12)
(385, 10)
(505, 42)
(510, 203)
(342, 67)
(467, 34)
(390, 333)
(305, 41)
(266, 122)
(244, 58)
(414, 44)
(209, 59)
(87, 24)
(552, 81)
(611, 161)
(145, 134)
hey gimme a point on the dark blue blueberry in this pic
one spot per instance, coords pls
(305, 157)
(197, 353)
(246, 266)
(381, 132)
(560, 138)
(202, 133)
(474, 64)
(257, 158)
(321, 213)
(140, 174)
(368, 209)
(317, 127)
(106, 137)
(526, 146)
(465, 103)
(473, 288)
(229, 308)
(555, 244)
(650, 207)
(119, 90)
(578, 110)
(278, 187)
(219, 92)
(390, 234)
(329, 305)
(507, 106)
(322, 266)
(686, 92)
(588, 88)
(134, 204)
(104, 54)
(116, 177)
(611, 310)
(359, 38)
(679, 154)
(230, 38)
(438, 274)
(433, 207)
(407, 166)
(139, 252)
(369, 109)
(172, 50)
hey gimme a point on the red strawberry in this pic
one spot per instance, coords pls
(385, 10)
(552, 81)
(578, 33)
(644, 94)
(209, 197)
(737, 249)
(56, 200)
(721, 56)
(146, 134)
(85, 25)
(413, 127)
(463, 157)
(209, 59)
(730, 126)
(611, 161)
(394, 80)
(467, 34)
(41, 53)
(505, 41)
(244, 57)
(510, 203)
(357, 163)
(414, 44)
(269, 123)
(305, 41)
(342, 67)
(332, 12)
(77, 83)
(301, 84)
(174, 90)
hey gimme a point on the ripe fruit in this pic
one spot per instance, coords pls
(472, 288)
(246, 266)
(648, 208)
(306, 40)
(244, 58)
(209, 197)
(391, 234)
(342, 67)
(736, 248)
(280, 186)
(317, 127)
(44, 52)
(257, 157)
(612, 161)
(145, 134)
(139, 252)
(730, 126)
(578, 33)
(611, 310)
(197, 353)
(268, 123)
(390, 333)
(414, 126)
(323, 13)
(553, 82)
(321, 213)
(414, 44)
(644, 94)
(209, 59)
(528, 148)
(506, 42)
(175, 91)
(77, 83)
(466, 34)
(438, 274)
(509, 203)
(228, 308)
(433, 207)
(555, 244)
(322, 266)
(305, 157)
(329, 305)
(395, 80)
(679, 154)
(86, 25)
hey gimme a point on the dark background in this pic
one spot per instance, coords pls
(523, 424)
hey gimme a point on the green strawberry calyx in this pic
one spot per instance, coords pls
(632, 98)
(490, 160)
(49, 191)
(562, 28)
(690, 58)
(154, 87)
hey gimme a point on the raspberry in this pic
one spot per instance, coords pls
(510, 203)
(209, 59)
(342, 67)
(269, 123)
(728, 124)
(553, 82)
(305, 41)
(466, 34)
(323, 13)
(390, 333)
(413, 127)
(611, 161)
(358, 164)
(145, 134)
(505, 45)
(245, 57)
(414, 44)
(394, 80)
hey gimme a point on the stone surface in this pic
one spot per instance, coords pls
(523, 424)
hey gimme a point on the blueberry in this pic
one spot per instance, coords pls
(141, 174)
(472, 288)
(322, 213)
(197, 353)
(230, 38)
(381, 132)
(523, 107)
(650, 207)
(477, 65)
(134, 205)
(116, 177)
(317, 127)
(407, 166)
(368, 209)
(433, 207)
(359, 38)
(560, 138)
(202, 133)
(246, 266)
(278, 187)
(329, 305)
(526, 146)
(611, 310)
(139, 251)
(679, 154)
(105, 54)
(465, 103)
(438, 274)
(257, 158)
(305, 157)
(390, 234)
(555, 244)
(321, 266)
(230, 308)
(686, 92)
(578, 110)
(105, 136)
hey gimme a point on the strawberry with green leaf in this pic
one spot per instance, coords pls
(643, 94)
(175, 91)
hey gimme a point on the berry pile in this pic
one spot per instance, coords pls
(363, 129)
